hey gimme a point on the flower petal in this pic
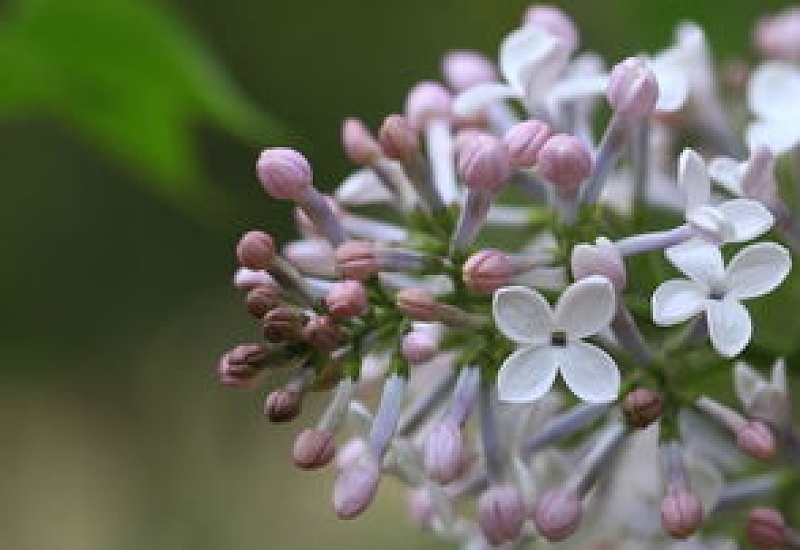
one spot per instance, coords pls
(757, 270)
(527, 374)
(673, 87)
(586, 307)
(472, 101)
(677, 300)
(520, 50)
(589, 372)
(779, 376)
(778, 135)
(773, 90)
(747, 383)
(698, 260)
(522, 315)
(693, 179)
(729, 326)
(579, 87)
(728, 173)
(748, 219)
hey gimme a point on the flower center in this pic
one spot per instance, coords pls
(558, 339)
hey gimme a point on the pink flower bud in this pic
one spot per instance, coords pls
(356, 260)
(558, 514)
(359, 144)
(346, 299)
(351, 452)
(284, 174)
(487, 270)
(420, 507)
(524, 140)
(642, 407)
(681, 513)
(565, 161)
(246, 279)
(255, 250)
(322, 333)
(283, 324)
(443, 453)
(501, 514)
(418, 346)
(778, 36)
(418, 304)
(756, 439)
(355, 488)
(313, 449)
(632, 89)
(283, 405)
(239, 367)
(483, 162)
(601, 258)
(262, 299)
(427, 101)
(397, 138)
(464, 69)
(556, 22)
(766, 528)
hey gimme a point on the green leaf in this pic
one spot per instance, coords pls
(130, 76)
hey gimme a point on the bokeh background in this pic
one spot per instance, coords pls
(128, 132)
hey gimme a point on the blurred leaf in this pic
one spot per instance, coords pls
(129, 75)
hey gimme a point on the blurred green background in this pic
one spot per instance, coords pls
(128, 132)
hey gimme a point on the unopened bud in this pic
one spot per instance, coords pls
(558, 514)
(418, 304)
(501, 514)
(239, 367)
(359, 144)
(487, 270)
(346, 299)
(483, 162)
(356, 259)
(444, 451)
(632, 89)
(283, 405)
(398, 139)
(756, 439)
(681, 513)
(355, 488)
(766, 528)
(313, 449)
(284, 173)
(602, 258)
(565, 161)
(418, 346)
(262, 299)
(465, 69)
(322, 333)
(427, 101)
(778, 36)
(420, 507)
(256, 250)
(642, 407)
(524, 140)
(554, 21)
(283, 324)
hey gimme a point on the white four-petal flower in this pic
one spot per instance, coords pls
(735, 220)
(772, 96)
(717, 291)
(552, 341)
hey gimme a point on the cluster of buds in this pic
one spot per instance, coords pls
(509, 313)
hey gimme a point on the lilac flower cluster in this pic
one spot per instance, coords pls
(516, 250)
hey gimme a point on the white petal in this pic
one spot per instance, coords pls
(748, 218)
(779, 375)
(773, 91)
(778, 135)
(673, 87)
(728, 173)
(363, 187)
(472, 101)
(522, 315)
(677, 300)
(698, 260)
(579, 87)
(586, 307)
(527, 374)
(521, 49)
(589, 372)
(757, 270)
(693, 179)
(747, 382)
(729, 326)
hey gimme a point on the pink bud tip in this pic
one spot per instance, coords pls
(487, 270)
(501, 514)
(464, 69)
(601, 258)
(427, 101)
(256, 250)
(443, 453)
(642, 407)
(283, 405)
(313, 449)
(483, 162)
(355, 488)
(420, 507)
(359, 144)
(681, 513)
(558, 514)
(346, 299)
(284, 173)
(282, 324)
(756, 439)
(778, 36)
(322, 333)
(239, 367)
(356, 260)
(418, 346)
(565, 161)
(418, 304)
(524, 140)
(632, 88)
(766, 528)
(556, 22)
(397, 138)
(262, 299)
